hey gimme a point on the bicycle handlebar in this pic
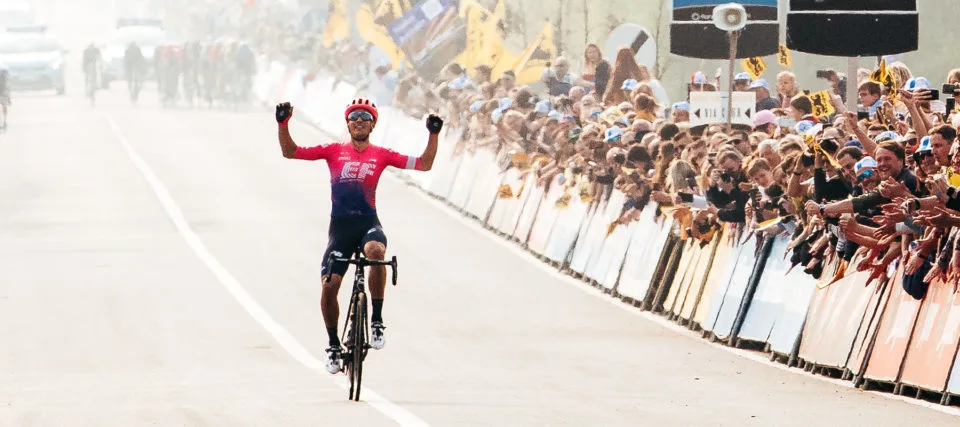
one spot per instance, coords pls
(364, 262)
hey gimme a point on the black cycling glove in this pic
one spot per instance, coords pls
(434, 124)
(284, 113)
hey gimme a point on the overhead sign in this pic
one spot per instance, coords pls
(635, 37)
(853, 28)
(707, 108)
(693, 34)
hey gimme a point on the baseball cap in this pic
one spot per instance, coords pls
(853, 143)
(613, 134)
(742, 76)
(760, 83)
(630, 84)
(764, 117)
(699, 78)
(925, 145)
(866, 162)
(543, 107)
(476, 106)
(917, 83)
(682, 105)
(886, 135)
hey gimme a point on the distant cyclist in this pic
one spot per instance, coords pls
(355, 168)
(4, 94)
(91, 65)
(134, 65)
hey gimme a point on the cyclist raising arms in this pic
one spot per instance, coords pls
(355, 169)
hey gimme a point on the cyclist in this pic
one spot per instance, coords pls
(355, 168)
(134, 65)
(4, 93)
(91, 62)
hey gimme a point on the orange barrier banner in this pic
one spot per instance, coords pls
(896, 327)
(934, 344)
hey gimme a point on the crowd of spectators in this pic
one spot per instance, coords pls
(879, 183)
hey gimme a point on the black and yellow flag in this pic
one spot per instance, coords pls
(529, 67)
(338, 23)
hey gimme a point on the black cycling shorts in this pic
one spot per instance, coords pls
(346, 235)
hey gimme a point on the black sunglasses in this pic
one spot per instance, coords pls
(360, 115)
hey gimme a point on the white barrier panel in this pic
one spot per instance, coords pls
(460, 191)
(646, 244)
(688, 258)
(692, 300)
(605, 248)
(531, 208)
(503, 216)
(765, 306)
(547, 217)
(485, 185)
(567, 227)
(735, 292)
(442, 182)
(622, 238)
(591, 230)
(793, 313)
(731, 269)
(684, 285)
(608, 256)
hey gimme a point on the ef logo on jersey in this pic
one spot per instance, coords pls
(357, 170)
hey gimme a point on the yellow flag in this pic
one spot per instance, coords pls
(370, 30)
(535, 57)
(754, 66)
(338, 23)
(880, 74)
(783, 56)
(822, 105)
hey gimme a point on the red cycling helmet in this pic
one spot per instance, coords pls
(362, 104)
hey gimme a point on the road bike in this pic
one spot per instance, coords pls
(356, 328)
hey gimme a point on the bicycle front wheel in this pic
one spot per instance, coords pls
(359, 347)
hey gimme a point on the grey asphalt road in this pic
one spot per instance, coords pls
(108, 316)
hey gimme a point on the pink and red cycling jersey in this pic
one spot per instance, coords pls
(354, 175)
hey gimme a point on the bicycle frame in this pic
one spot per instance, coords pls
(355, 330)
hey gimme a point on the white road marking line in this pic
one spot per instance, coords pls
(589, 290)
(280, 334)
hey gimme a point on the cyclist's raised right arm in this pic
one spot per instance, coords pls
(290, 148)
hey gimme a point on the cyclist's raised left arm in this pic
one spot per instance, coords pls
(425, 162)
(434, 125)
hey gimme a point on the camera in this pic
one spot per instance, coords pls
(726, 176)
(824, 74)
(950, 88)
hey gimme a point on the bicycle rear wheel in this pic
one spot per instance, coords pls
(358, 348)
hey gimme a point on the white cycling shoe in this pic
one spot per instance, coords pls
(333, 360)
(376, 335)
